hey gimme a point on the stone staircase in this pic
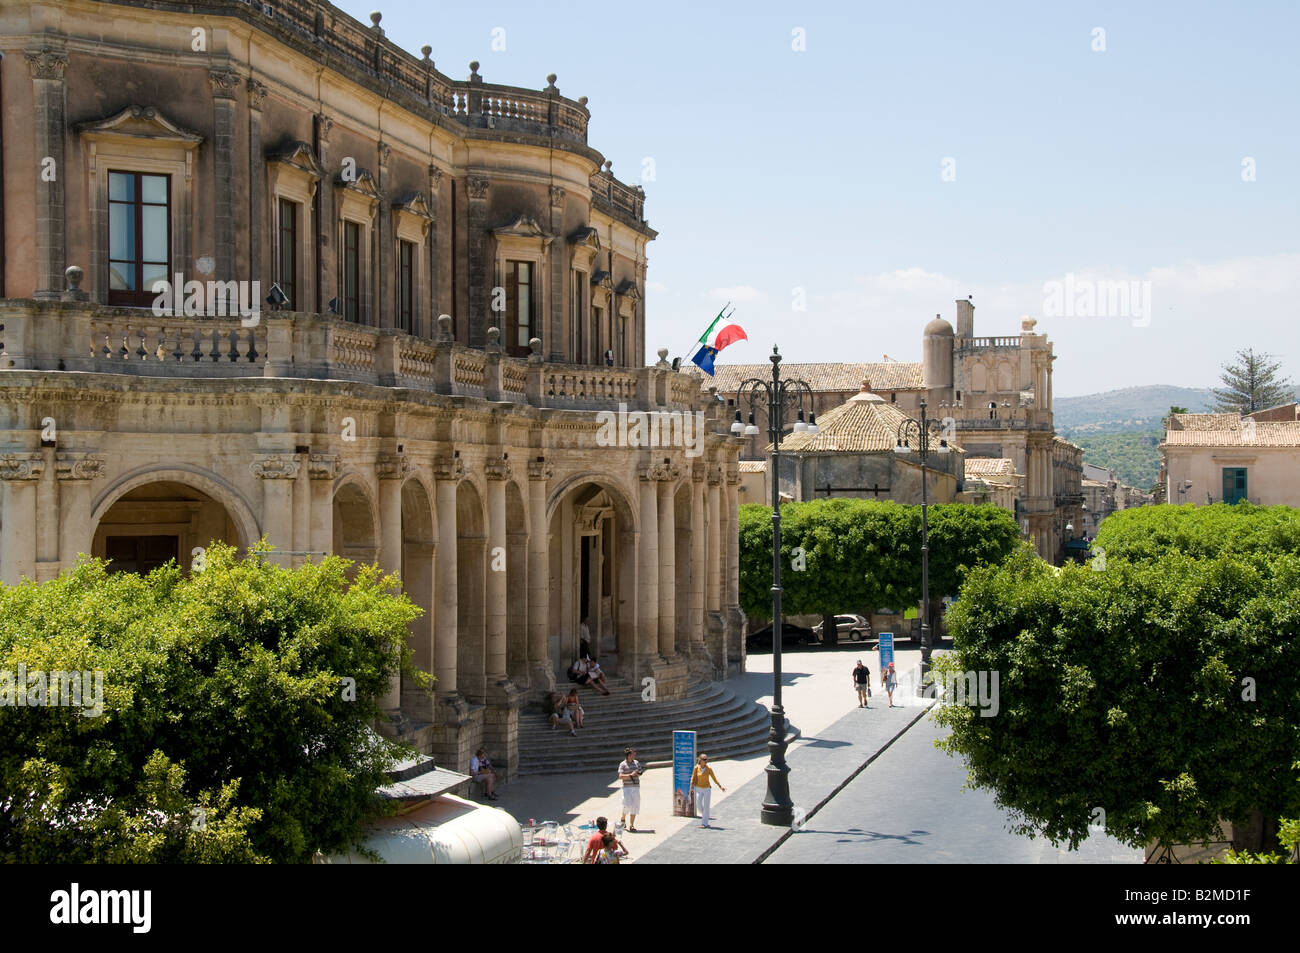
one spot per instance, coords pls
(727, 726)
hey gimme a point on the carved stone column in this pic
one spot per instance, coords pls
(735, 618)
(699, 567)
(385, 306)
(75, 471)
(20, 473)
(278, 473)
(715, 635)
(448, 472)
(224, 82)
(647, 636)
(667, 569)
(541, 674)
(322, 468)
(498, 471)
(47, 67)
(391, 469)
(325, 269)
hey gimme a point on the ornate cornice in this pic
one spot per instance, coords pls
(224, 82)
(662, 472)
(540, 469)
(498, 468)
(17, 466)
(435, 176)
(78, 467)
(256, 93)
(393, 466)
(477, 186)
(322, 466)
(448, 468)
(276, 467)
(46, 63)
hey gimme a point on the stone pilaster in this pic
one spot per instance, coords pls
(322, 468)
(647, 576)
(47, 67)
(75, 471)
(699, 570)
(448, 471)
(541, 676)
(19, 473)
(391, 469)
(667, 570)
(224, 83)
(256, 175)
(326, 282)
(386, 308)
(476, 188)
(498, 471)
(278, 473)
(559, 254)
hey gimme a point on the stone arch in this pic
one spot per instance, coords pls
(356, 520)
(1006, 377)
(419, 543)
(593, 570)
(205, 481)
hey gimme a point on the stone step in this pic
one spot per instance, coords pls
(632, 714)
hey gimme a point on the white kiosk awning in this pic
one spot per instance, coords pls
(444, 830)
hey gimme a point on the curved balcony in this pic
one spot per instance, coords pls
(88, 337)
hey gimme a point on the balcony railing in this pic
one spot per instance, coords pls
(87, 337)
(1013, 341)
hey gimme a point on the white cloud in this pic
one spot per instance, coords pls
(740, 293)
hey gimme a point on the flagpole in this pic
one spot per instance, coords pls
(697, 344)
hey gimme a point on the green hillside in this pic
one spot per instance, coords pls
(1132, 456)
(1129, 410)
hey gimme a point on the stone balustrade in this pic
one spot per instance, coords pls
(983, 342)
(88, 337)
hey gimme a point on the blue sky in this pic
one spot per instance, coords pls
(816, 177)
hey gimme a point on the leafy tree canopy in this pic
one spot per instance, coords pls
(863, 555)
(227, 731)
(1251, 382)
(1152, 532)
(1165, 695)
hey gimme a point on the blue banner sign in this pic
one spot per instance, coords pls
(683, 767)
(886, 649)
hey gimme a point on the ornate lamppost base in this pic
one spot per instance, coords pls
(778, 809)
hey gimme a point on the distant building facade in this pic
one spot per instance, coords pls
(1227, 458)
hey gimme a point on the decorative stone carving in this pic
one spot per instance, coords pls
(224, 82)
(256, 93)
(661, 471)
(323, 126)
(697, 473)
(498, 468)
(322, 466)
(276, 467)
(78, 467)
(393, 466)
(46, 63)
(715, 476)
(448, 468)
(435, 176)
(733, 476)
(540, 469)
(385, 153)
(17, 466)
(557, 197)
(477, 186)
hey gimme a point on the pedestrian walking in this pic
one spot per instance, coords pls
(629, 772)
(889, 679)
(862, 682)
(700, 778)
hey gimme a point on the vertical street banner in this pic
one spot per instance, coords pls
(683, 767)
(886, 649)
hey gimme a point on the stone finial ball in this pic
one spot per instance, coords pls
(74, 274)
(663, 354)
(444, 323)
(493, 335)
(473, 66)
(582, 100)
(550, 78)
(426, 50)
(535, 345)
(375, 17)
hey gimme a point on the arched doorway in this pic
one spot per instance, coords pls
(157, 522)
(593, 575)
(355, 533)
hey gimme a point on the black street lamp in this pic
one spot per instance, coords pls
(908, 431)
(778, 809)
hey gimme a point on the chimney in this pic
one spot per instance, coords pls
(965, 318)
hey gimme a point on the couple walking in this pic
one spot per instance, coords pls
(862, 683)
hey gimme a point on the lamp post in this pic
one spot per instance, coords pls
(908, 431)
(777, 809)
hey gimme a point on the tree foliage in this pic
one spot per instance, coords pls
(227, 732)
(1127, 690)
(1251, 382)
(1151, 532)
(863, 555)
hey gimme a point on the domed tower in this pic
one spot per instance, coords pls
(936, 360)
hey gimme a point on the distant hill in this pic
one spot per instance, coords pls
(1120, 429)
(1129, 410)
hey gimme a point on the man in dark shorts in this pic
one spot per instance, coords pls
(862, 682)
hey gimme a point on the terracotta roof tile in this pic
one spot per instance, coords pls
(865, 423)
(1283, 433)
(989, 466)
(1204, 421)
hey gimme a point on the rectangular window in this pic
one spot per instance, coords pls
(406, 286)
(287, 267)
(1234, 484)
(520, 301)
(139, 236)
(352, 271)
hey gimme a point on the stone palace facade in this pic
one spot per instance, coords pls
(456, 283)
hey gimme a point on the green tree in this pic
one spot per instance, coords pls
(863, 555)
(228, 731)
(1252, 383)
(1175, 409)
(1162, 694)
(1154, 532)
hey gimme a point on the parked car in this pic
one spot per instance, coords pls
(855, 628)
(791, 634)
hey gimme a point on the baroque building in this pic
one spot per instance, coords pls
(268, 275)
